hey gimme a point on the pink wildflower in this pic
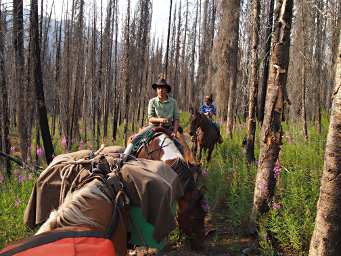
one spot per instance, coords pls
(81, 145)
(40, 151)
(204, 173)
(21, 179)
(13, 149)
(64, 142)
(17, 202)
(276, 206)
(30, 176)
(277, 169)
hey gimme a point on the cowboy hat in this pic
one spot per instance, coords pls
(162, 83)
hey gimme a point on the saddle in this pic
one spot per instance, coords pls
(146, 136)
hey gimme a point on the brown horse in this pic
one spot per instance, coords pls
(91, 221)
(205, 135)
(190, 213)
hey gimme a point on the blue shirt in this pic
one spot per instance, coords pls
(208, 109)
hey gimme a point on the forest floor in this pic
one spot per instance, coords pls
(222, 241)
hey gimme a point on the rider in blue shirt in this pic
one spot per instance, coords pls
(210, 110)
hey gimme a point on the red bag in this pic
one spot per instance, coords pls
(64, 243)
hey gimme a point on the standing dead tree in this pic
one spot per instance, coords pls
(271, 132)
(265, 75)
(233, 11)
(168, 36)
(18, 43)
(253, 87)
(4, 118)
(125, 73)
(326, 239)
(37, 81)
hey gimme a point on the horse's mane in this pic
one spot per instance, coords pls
(71, 212)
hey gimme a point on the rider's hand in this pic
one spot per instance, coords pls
(164, 120)
(173, 134)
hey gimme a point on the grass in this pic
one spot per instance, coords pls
(230, 185)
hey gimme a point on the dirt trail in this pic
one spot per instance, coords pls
(223, 242)
(219, 245)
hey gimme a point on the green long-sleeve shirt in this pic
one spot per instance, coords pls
(166, 109)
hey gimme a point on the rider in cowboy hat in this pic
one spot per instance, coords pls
(162, 109)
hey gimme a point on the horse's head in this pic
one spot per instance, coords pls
(195, 121)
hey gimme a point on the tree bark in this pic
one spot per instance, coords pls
(271, 132)
(267, 50)
(318, 66)
(116, 105)
(193, 37)
(326, 239)
(233, 12)
(18, 42)
(304, 111)
(37, 80)
(251, 123)
(4, 128)
(125, 74)
(168, 35)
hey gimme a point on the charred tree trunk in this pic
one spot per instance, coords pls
(261, 105)
(326, 239)
(253, 91)
(183, 65)
(168, 35)
(304, 111)
(78, 80)
(193, 37)
(116, 105)
(271, 133)
(4, 116)
(318, 65)
(37, 80)
(99, 83)
(125, 74)
(18, 42)
(233, 11)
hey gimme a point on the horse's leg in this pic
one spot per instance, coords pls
(209, 153)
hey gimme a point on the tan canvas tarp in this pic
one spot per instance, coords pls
(55, 181)
(158, 188)
(152, 185)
